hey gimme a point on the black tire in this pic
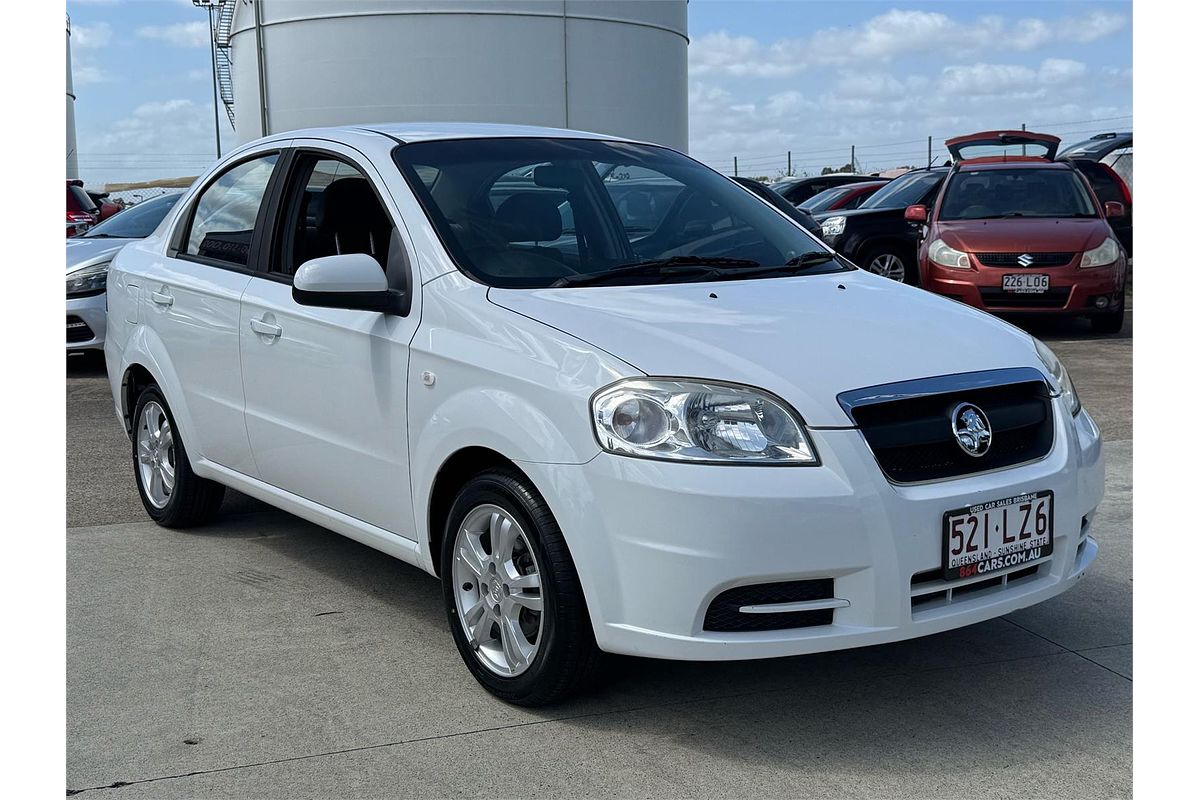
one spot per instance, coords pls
(907, 259)
(567, 660)
(194, 500)
(1109, 324)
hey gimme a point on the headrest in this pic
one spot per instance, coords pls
(351, 201)
(529, 217)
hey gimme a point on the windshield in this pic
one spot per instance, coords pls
(136, 222)
(1022, 192)
(905, 191)
(823, 200)
(531, 213)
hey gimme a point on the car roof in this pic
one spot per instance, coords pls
(406, 132)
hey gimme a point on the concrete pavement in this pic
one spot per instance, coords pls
(264, 657)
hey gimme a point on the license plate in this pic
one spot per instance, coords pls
(1022, 283)
(997, 535)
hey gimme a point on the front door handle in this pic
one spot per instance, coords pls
(162, 298)
(261, 326)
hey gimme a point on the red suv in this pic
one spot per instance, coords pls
(1014, 231)
(82, 212)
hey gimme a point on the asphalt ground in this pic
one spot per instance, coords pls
(262, 656)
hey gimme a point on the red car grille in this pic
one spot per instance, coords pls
(1025, 260)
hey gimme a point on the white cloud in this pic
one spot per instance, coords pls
(180, 34)
(888, 36)
(90, 37)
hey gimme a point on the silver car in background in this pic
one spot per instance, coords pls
(88, 257)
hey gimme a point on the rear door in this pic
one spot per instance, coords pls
(1008, 143)
(326, 388)
(192, 301)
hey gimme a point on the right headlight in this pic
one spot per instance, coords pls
(1060, 378)
(944, 255)
(699, 421)
(833, 226)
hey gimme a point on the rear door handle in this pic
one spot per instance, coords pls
(258, 325)
(162, 298)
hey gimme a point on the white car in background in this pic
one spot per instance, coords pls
(88, 257)
(710, 439)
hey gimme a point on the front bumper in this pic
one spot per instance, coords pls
(1072, 290)
(655, 542)
(92, 312)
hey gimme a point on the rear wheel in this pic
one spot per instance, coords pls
(890, 263)
(512, 594)
(172, 494)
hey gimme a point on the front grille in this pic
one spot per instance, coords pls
(910, 431)
(1035, 259)
(78, 330)
(723, 613)
(1051, 298)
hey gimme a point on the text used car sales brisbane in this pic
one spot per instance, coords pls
(613, 400)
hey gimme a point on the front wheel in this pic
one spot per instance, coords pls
(1109, 323)
(512, 594)
(890, 263)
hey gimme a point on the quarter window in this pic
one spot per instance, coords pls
(223, 222)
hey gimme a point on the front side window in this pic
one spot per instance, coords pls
(995, 193)
(531, 213)
(331, 209)
(223, 222)
(905, 191)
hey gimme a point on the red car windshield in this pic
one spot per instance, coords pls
(1022, 192)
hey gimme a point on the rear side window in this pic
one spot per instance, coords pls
(222, 225)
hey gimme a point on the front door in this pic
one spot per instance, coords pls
(326, 400)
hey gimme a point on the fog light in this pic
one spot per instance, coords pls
(1101, 302)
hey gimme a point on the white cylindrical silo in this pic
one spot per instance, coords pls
(72, 151)
(611, 66)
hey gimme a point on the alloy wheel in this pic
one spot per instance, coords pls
(887, 265)
(156, 454)
(498, 590)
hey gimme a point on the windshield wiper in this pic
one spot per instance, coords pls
(675, 265)
(810, 259)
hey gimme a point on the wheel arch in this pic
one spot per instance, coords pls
(144, 361)
(453, 473)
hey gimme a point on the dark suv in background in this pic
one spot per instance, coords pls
(875, 236)
(1109, 170)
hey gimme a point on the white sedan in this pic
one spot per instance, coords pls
(703, 437)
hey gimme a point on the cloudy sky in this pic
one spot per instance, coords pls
(765, 77)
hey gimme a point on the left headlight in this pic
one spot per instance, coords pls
(89, 280)
(834, 226)
(1060, 378)
(699, 421)
(1101, 256)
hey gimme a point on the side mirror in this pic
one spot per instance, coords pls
(352, 281)
(917, 214)
(1114, 209)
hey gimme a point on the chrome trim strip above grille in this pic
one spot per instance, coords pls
(923, 387)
